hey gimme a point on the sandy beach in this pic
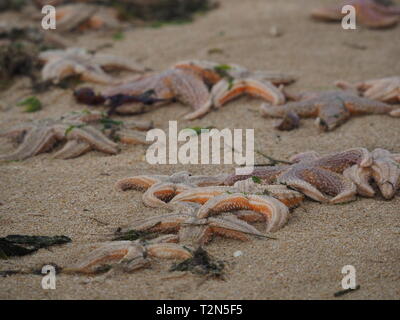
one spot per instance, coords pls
(77, 198)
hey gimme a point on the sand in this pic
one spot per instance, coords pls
(76, 197)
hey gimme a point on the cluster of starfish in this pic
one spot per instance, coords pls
(82, 131)
(201, 85)
(370, 13)
(201, 207)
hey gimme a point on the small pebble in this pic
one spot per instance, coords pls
(274, 31)
(237, 253)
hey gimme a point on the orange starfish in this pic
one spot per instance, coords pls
(129, 255)
(368, 13)
(160, 189)
(194, 229)
(332, 108)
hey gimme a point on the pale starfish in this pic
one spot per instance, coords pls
(82, 131)
(81, 16)
(384, 172)
(368, 13)
(385, 90)
(317, 177)
(129, 255)
(201, 195)
(173, 84)
(160, 189)
(193, 229)
(60, 64)
(332, 108)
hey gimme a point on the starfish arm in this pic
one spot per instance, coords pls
(267, 175)
(140, 183)
(371, 17)
(359, 105)
(274, 77)
(232, 227)
(132, 137)
(223, 203)
(158, 195)
(361, 178)
(170, 222)
(386, 173)
(288, 197)
(304, 109)
(225, 91)
(36, 141)
(386, 89)
(305, 156)
(92, 136)
(195, 231)
(314, 182)
(17, 132)
(340, 161)
(191, 90)
(200, 195)
(110, 61)
(71, 16)
(142, 125)
(168, 251)
(56, 70)
(395, 113)
(331, 13)
(275, 212)
(205, 181)
(108, 254)
(249, 216)
(73, 149)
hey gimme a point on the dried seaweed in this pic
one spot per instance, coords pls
(202, 264)
(132, 235)
(20, 245)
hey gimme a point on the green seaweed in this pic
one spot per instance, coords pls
(31, 104)
(256, 179)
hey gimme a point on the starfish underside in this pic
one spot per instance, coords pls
(82, 133)
(331, 108)
(160, 189)
(368, 12)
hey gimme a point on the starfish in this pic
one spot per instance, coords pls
(129, 255)
(230, 81)
(385, 90)
(173, 84)
(201, 195)
(202, 85)
(193, 229)
(384, 172)
(81, 17)
(60, 64)
(319, 178)
(368, 13)
(160, 189)
(82, 131)
(332, 108)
